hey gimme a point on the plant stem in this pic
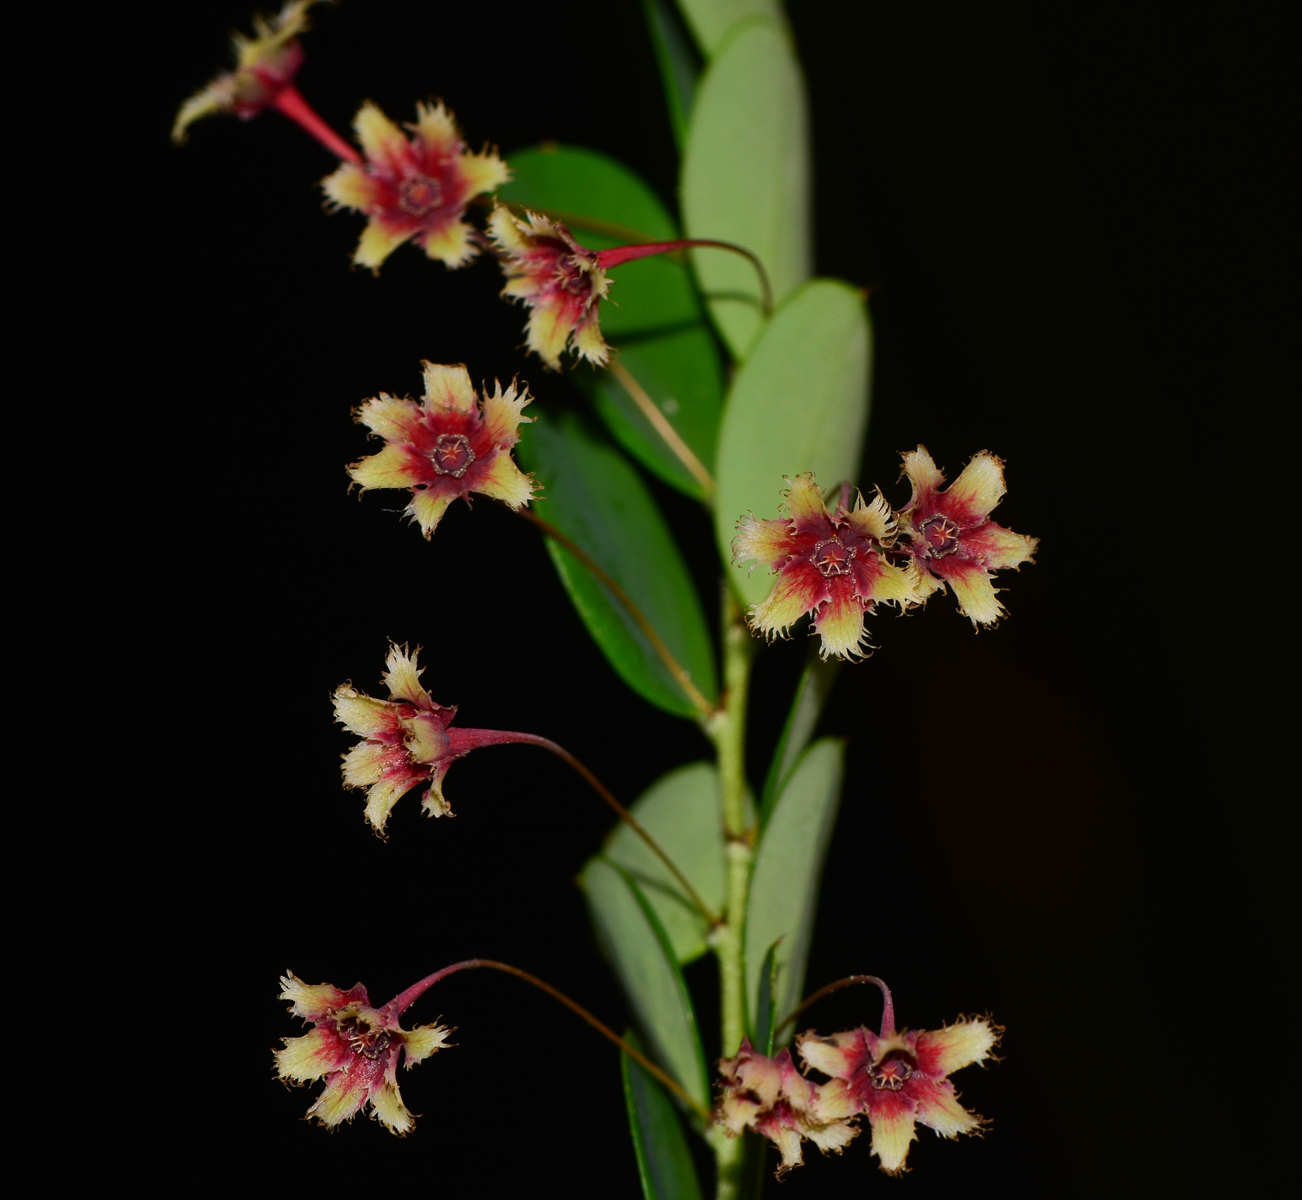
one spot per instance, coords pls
(405, 999)
(660, 423)
(728, 731)
(290, 102)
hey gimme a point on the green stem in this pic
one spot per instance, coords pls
(728, 731)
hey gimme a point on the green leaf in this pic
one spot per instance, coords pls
(677, 60)
(594, 496)
(787, 872)
(765, 1018)
(746, 177)
(637, 946)
(799, 403)
(664, 1161)
(711, 19)
(681, 812)
(680, 371)
(815, 682)
(605, 204)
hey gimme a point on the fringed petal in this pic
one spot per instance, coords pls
(483, 173)
(938, 1108)
(804, 501)
(923, 474)
(893, 1131)
(768, 542)
(433, 801)
(343, 1096)
(424, 1040)
(396, 466)
(349, 187)
(840, 624)
(799, 589)
(368, 762)
(309, 1057)
(361, 715)
(389, 1110)
(839, 1055)
(588, 340)
(381, 140)
(436, 128)
(972, 496)
(943, 1051)
(548, 330)
(402, 676)
(379, 239)
(973, 590)
(510, 233)
(504, 481)
(381, 798)
(995, 547)
(449, 386)
(450, 242)
(503, 414)
(427, 509)
(392, 419)
(312, 1001)
(873, 520)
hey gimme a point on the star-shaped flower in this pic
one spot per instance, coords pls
(899, 1079)
(771, 1097)
(562, 282)
(448, 445)
(415, 188)
(831, 564)
(951, 538)
(264, 66)
(356, 1047)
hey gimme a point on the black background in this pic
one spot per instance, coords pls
(1057, 213)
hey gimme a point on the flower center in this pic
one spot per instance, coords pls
(417, 194)
(891, 1074)
(574, 279)
(832, 558)
(371, 1043)
(941, 536)
(452, 454)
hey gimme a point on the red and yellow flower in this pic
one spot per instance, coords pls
(771, 1097)
(264, 66)
(356, 1047)
(414, 189)
(448, 445)
(831, 564)
(899, 1080)
(951, 538)
(562, 282)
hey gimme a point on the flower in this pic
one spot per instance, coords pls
(416, 188)
(562, 282)
(771, 1097)
(951, 537)
(356, 1047)
(899, 1079)
(830, 564)
(407, 740)
(448, 445)
(264, 66)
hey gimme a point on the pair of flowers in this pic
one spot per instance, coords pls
(897, 1080)
(839, 564)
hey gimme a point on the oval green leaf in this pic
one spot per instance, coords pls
(681, 812)
(637, 947)
(664, 1160)
(594, 496)
(787, 873)
(746, 177)
(710, 20)
(799, 403)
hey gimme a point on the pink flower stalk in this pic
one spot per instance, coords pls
(265, 66)
(408, 740)
(448, 445)
(356, 1047)
(414, 189)
(899, 1079)
(833, 565)
(771, 1097)
(952, 540)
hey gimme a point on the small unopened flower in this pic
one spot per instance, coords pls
(448, 445)
(830, 564)
(356, 1047)
(771, 1097)
(414, 188)
(899, 1079)
(561, 281)
(264, 66)
(951, 538)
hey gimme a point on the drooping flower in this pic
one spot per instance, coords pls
(951, 538)
(899, 1079)
(448, 445)
(830, 564)
(561, 281)
(409, 740)
(414, 189)
(356, 1047)
(265, 65)
(771, 1097)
